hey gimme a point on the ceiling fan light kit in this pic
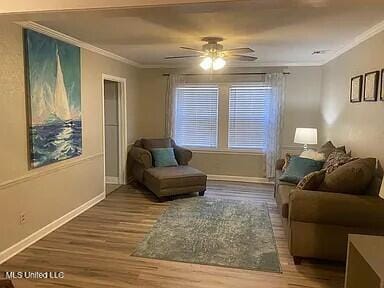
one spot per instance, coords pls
(212, 63)
(206, 63)
(214, 55)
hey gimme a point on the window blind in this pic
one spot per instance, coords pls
(196, 116)
(248, 106)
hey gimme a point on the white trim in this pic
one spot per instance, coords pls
(29, 240)
(239, 179)
(374, 30)
(123, 132)
(111, 180)
(53, 168)
(226, 152)
(238, 65)
(69, 39)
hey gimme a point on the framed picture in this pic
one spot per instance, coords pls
(382, 85)
(54, 99)
(371, 86)
(356, 89)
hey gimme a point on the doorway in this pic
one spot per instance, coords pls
(115, 133)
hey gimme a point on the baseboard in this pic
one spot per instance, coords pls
(239, 179)
(111, 180)
(26, 242)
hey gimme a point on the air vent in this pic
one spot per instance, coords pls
(319, 52)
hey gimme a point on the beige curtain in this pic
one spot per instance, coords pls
(174, 80)
(274, 120)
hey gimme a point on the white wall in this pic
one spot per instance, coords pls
(359, 126)
(47, 193)
(302, 109)
(111, 119)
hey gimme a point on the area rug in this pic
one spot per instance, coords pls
(216, 232)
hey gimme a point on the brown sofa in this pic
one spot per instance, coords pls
(318, 223)
(165, 181)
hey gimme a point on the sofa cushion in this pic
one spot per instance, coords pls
(352, 178)
(156, 143)
(312, 181)
(337, 209)
(170, 177)
(164, 157)
(282, 199)
(299, 167)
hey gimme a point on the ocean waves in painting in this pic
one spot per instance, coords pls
(55, 142)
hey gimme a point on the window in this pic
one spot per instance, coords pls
(196, 116)
(248, 106)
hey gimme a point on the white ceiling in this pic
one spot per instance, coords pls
(282, 32)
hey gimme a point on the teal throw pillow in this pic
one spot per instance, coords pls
(164, 157)
(299, 167)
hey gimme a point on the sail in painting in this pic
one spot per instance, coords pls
(54, 89)
(61, 108)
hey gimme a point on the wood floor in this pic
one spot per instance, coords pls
(93, 250)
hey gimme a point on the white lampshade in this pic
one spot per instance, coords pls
(306, 136)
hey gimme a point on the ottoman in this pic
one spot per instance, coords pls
(169, 181)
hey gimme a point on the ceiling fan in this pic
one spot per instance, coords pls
(214, 55)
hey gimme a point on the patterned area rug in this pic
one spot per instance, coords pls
(214, 231)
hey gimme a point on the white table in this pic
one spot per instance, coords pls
(365, 262)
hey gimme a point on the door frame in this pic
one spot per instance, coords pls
(122, 119)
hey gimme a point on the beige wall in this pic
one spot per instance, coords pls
(359, 126)
(47, 193)
(302, 104)
(302, 109)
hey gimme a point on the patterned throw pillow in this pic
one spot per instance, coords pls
(312, 181)
(328, 148)
(286, 161)
(336, 159)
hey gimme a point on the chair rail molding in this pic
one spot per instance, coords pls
(53, 168)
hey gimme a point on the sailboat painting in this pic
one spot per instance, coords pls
(54, 97)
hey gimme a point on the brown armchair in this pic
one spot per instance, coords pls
(165, 181)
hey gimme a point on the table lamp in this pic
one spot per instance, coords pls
(306, 136)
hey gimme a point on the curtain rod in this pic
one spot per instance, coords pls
(240, 73)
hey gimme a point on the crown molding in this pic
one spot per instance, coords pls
(374, 30)
(69, 39)
(243, 65)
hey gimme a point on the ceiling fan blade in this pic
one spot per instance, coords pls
(242, 57)
(181, 57)
(192, 49)
(240, 50)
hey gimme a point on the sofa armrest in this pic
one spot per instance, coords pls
(183, 155)
(141, 156)
(279, 164)
(336, 209)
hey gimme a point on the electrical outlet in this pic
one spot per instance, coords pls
(22, 219)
